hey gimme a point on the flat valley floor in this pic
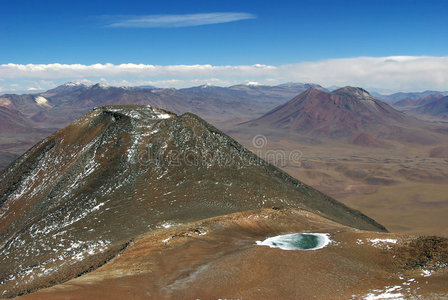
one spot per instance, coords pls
(401, 187)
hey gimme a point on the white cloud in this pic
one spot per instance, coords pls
(396, 73)
(186, 20)
(139, 70)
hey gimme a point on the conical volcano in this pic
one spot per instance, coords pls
(343, 115)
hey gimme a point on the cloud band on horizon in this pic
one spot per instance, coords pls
(395, 73)
(185, 20)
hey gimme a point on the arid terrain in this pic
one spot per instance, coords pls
(362, 152)
(400, 180)
(224, 150)
(26, 119)
(218, 259)
(81, 195)
(405, 189)
(138, 202)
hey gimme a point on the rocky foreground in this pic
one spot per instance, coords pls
(137, 202)
(219, 258)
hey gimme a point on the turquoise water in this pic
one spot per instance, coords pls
(297, 241)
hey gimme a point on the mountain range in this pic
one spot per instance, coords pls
(136, 201)
(437, 108)
(432, 108)
(410, 95)
(81, 195)
(25, 119)
(347, 114)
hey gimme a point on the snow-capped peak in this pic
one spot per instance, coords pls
(72, 84)
(101, 85)
(204, 86)
(252, 83)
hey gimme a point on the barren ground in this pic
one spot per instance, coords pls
(218, 258)
(401, 186)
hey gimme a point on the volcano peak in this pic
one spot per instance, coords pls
(356, 92)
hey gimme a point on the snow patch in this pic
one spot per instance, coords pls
(389, 293)
(41, 101)
(167, 225)
(98, 206)
(5, 102)
(382, 243)
(72, 84)
(163, 116)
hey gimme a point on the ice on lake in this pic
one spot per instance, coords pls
(297, 241)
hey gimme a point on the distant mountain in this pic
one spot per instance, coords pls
(413, 95)
(72, 99)
(150, 87)
(431, 108)
(80, 196)
(349, 114)
(333, 88)
(415, 102)
(303, 86)
(13, 121)
(17, 111)
(379, 96)
(27, 104)
(222, 106)
(58, 107)
(68, 87)
(437, 107)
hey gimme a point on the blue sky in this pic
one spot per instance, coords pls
(162, 33)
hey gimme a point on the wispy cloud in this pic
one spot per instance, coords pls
(397, 73)
(186, 20)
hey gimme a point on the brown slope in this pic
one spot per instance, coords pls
(218, 259)
(437, 108)
(340, 115)
(18, 132)
(120, 171)
(366, 140)
(408, 103)
(439, 152)
(12, 121)
(25, 104)
(44, 118)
